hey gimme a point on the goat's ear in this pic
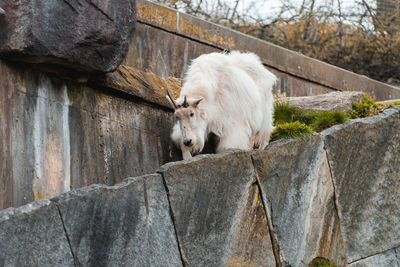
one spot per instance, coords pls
(197, 101)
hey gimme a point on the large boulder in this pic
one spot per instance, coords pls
(218, 211)
(33, 235)
(298, 193)
(86, 34)
(331, 101)
(128, 224)
(364, 156)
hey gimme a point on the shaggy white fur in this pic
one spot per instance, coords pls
(229, 95)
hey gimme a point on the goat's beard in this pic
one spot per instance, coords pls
(201, 138)
(198, 147)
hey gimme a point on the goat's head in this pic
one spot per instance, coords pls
(191, 119)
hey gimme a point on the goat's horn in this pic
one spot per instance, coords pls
(2, 13)
(185, 104)
(170, 98)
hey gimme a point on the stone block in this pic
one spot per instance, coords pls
(332, 101)
(33, 235)
(364, 155)
(386, 259)
(299, 196)
(218, 211)
(128, 224)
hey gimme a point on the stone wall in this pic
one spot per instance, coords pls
(167, 40)
(58, 134)
(334, 195)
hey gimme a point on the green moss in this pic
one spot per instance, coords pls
(326, 119)
(321, 262)
(366, 108)
(291, 130)
(283, 112)
(397, 103)
(307, 117)
(292, 122)
(318, 120)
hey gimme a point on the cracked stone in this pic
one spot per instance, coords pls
(364, 156)
(128, 224)
(297, 188)
(33, 235)
(218, 211)
(386, 259)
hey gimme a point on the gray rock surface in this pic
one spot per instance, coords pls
(57, 135)
(33, 235)
(390, 102)
(330, 101)
(386, 259)
(364, 156)
(218, 212)
(298, 191)
(125, 225)
(333, 196)
(88, 34)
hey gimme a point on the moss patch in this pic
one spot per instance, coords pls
(291, 130)
(366, 108)
(318, 120)
(284, 112)
(321, 262)
(292, 122)
(327, 119)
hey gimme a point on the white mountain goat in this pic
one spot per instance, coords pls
(229, 95)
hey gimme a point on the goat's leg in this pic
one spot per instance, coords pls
(254, 137)
(239, 139)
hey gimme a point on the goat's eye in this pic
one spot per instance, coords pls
(191, 114)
